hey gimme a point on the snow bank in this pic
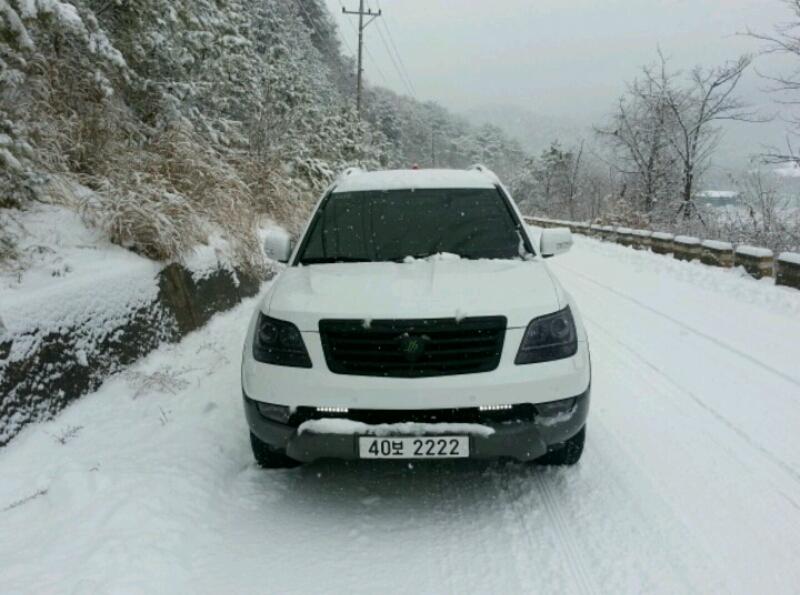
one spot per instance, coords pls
(660, 235)
(717, 245)
(207, 259)
(347, 426)
(687, 240)
(80, 309)
(754, 251)
(790, 257)
(74, 278)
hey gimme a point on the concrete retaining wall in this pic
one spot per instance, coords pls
(686, 248)
(788, 269)
(661, 242)
(641, 239)
(758, 262)
(67, 364)
(717, 253)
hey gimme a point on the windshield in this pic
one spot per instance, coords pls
(397, 224)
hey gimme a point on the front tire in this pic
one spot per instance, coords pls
(270, 458)
(566, 454)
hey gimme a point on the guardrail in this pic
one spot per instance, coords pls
(758, 262)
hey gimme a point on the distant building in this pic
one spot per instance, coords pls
(717, 198)
(791, 170)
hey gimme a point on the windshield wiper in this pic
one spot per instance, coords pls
(333, 260)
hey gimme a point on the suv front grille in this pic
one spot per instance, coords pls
(413, 348)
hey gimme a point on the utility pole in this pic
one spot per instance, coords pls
(361, 26)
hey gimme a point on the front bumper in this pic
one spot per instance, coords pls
(523, 440)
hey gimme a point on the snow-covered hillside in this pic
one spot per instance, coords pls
(186, 119)
(690, 481)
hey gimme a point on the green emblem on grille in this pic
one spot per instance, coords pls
(412, 347)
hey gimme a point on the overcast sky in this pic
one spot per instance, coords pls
(560, 58)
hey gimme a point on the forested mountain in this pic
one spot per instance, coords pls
(166, 121)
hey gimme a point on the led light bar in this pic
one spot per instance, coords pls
(332, 410)
(495, 407)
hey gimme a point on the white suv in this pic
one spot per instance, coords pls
(416, 319)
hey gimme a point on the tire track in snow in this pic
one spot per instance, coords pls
(577, 565)
(516, 517)
(630, 480)
(570, 527)
(769, 455)
(466, 506)
(740, 432)
(699, 464)
(756, 503)
(746, 356)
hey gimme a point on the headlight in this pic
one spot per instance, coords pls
(549, 338)
(279, 342)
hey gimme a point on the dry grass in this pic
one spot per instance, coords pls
(157, 191)
(158, 195)
(163, 381)
(159, 226)
(9, 254)
(274, 195)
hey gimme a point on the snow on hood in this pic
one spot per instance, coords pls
(436, 288)
(433, 257)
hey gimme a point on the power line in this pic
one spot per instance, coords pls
(375, 64)
(397, 68)
(385, 24)
(347, 44)
(403, 71)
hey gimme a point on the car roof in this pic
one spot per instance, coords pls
(406, 179)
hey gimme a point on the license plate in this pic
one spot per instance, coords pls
(425, 447)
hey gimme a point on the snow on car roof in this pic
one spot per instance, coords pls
(402, 179)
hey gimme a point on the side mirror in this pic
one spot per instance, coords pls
(555, 241)
(278, 245)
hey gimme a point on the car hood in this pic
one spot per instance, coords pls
(519, 290)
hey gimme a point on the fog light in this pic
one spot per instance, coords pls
(332, 410)
(279, 413)
(496, 407)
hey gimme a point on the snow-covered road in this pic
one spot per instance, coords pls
(690, 481)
